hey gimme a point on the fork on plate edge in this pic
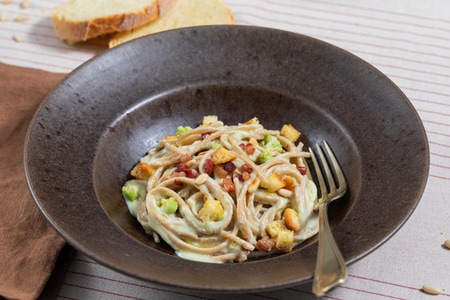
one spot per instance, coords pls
(330, 268)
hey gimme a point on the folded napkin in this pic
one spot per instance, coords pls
(28, 244)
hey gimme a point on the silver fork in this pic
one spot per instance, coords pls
(330, 265)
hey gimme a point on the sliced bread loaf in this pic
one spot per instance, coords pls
(80, 20)
(185, 13)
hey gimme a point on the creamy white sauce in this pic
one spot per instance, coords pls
(196, 256)
(133, 206)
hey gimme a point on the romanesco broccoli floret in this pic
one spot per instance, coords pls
(265, 156)
(271, 144)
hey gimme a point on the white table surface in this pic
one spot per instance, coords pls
(407, 40)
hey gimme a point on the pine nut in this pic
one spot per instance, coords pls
(430, 289)
(447, 244)
(25, 4)
(254, 185)
(291, 219)
(285, 193)
(21, 18)
(3, 15)
(201, 179)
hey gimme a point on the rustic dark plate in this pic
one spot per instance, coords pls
(106, 114)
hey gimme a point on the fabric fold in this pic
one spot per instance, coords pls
(29, 245)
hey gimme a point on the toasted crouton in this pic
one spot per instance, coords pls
(254, 120)
(212, 210)
(142, 171)
(285, 240)
(289, 132)
(273, 183)
(207, 120)
(274, 228)
(222, 155)
(289, 183)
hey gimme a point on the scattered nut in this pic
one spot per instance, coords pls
(447, 244)
(16, 38)
(253, 141)
(25, 4)
(3, 16)
(201, 179)
(21, 18)
(285, 193)
(430, 289)
(291, 219)
(254, 185)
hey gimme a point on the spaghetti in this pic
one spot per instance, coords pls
(217, 193)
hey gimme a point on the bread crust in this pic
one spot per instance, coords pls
(79, 31)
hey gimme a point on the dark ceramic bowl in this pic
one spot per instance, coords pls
(105, 115)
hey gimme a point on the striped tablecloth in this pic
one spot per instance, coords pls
(408, 40)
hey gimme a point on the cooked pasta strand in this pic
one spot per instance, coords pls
(219, 206)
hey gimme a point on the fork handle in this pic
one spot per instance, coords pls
(330, 265)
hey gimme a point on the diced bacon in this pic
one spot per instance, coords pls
(265, 244)
(208, 166)
(245, 176)
(191, 173)
(229, 167)
(220, 171)
(248, 148)
(178, 174)
(181, 167)
(185, 158)
(302, 170)
(246, 168)
(178, 182)
(228, 185)
(204, 135)
(238, 176)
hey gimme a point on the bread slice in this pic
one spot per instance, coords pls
(185, 13)
(79, 20)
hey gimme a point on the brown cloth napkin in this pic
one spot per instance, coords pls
(28, 244)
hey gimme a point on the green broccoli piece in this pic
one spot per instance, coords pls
(183, 129)
(132, 190)
(271, 144)
(169, 205)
